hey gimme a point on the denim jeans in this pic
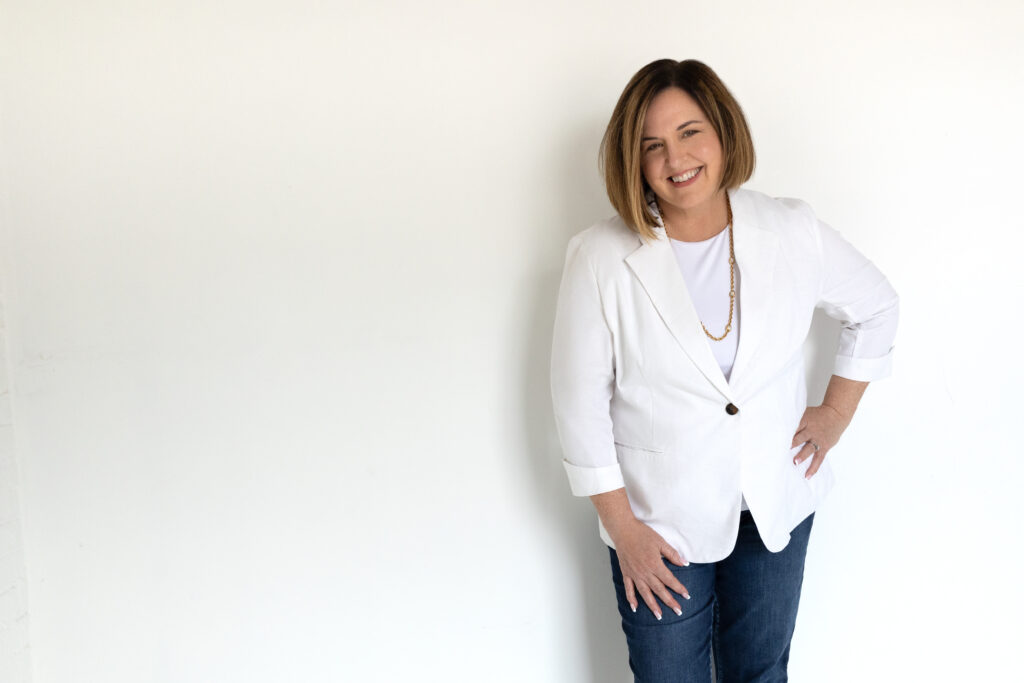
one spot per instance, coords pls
(738, 623)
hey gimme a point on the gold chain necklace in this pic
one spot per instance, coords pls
(732, 276)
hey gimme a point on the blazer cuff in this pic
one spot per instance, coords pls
(589, 481)
(864, 369)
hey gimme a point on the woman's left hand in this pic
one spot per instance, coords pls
(820, 429)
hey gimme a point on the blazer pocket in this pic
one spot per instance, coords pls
(644, 449)
(658, 481)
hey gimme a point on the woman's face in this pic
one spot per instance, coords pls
(680, 152)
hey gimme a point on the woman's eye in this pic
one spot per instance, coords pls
(689, 133)
(652, 147)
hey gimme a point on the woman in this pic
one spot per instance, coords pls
(678, 380)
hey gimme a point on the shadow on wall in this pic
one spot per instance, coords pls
(578, 201)
(820, 355)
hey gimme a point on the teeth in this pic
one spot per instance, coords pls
(686, 176)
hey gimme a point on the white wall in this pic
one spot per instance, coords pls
(14, 646)
(280, 283)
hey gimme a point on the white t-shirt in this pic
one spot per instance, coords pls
(705, 267)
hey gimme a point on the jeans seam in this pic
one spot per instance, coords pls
(716, 672)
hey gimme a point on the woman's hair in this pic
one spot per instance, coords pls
(619, 156)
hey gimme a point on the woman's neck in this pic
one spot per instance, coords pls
(697, 223)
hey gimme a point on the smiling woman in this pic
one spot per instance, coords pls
(695, 442)
(682, 164)
(670, 115)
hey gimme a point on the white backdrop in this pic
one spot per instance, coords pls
(280, 281)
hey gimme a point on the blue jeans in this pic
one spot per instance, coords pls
(738, 623)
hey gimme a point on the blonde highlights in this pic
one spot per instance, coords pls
(620, 153)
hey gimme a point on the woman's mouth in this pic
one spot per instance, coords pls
(687, 178)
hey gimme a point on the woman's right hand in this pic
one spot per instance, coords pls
(640, 549)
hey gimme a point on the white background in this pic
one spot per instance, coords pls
(279, 280)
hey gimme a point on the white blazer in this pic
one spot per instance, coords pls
(640, 401)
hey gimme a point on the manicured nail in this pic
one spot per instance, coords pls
(632, 607)
(795, 461)
(808, 475)
(686, 595)
(678, 612)
(658, 614)
(685, 563)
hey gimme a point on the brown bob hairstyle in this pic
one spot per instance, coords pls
(619, 156)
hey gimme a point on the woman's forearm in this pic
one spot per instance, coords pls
(843, 395)
(614, 510)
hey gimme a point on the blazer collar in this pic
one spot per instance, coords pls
(654, 264)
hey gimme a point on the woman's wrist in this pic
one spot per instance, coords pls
(614, 510)
(843, 396)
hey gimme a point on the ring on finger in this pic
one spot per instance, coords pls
(816, 446)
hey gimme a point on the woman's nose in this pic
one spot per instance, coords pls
(675, 155)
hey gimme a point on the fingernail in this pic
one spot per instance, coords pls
(678, 612)
(658, 614)
(685, 563)
(633, 607)
(686, 595)
(795, 461)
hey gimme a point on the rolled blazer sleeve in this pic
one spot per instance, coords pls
(583, 378)
(855, 292)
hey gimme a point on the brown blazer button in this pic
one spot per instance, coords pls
(731, 409)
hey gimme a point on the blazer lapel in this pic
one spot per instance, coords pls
(756, 251)
(654, 264)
